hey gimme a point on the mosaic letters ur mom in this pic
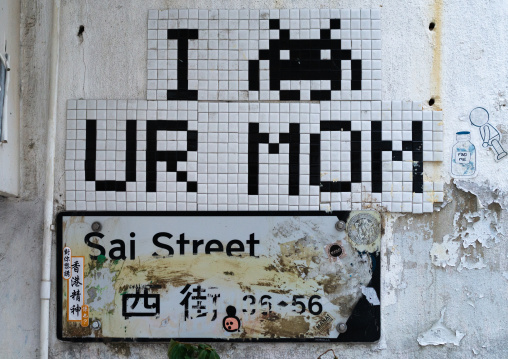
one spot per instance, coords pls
(255, 110)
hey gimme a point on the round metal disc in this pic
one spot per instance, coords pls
(363, 229)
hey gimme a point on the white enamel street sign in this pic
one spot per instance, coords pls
(220, 276)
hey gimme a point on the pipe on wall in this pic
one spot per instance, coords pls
(50, 183)
(3, 124)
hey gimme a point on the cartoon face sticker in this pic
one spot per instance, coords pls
(231, 323)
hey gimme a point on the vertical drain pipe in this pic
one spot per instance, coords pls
(49, 183)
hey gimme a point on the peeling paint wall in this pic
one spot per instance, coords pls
(454, 258)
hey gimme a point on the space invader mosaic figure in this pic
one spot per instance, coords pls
(316, 59)
(491, 137)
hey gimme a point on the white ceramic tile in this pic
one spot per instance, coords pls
(219, 170)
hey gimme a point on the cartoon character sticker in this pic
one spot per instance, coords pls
(231, 323)
(491, 137)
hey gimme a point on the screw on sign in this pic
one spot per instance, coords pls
(96, 226)
(342, 327)
(96, 325)
(340, 225)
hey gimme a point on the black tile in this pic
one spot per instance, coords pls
(284, 34)
(181, 176)
(356, 85)
(274, 24)
(320, 95)
(192, 186)
(190, 95)
(289, 95)
(273, 148)
(335, 24)
(407, 146)
(325, 34)
(396, 155)
(283, 137)
(254, 75)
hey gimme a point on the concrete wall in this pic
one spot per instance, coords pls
(21, 217)
(454, 258)
(9, 141)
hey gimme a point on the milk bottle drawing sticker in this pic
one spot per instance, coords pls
(463, 156)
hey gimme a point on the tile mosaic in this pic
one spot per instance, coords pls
(255, 110)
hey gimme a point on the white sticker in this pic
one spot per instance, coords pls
(75, 289)
(66, 263)
(371, 295)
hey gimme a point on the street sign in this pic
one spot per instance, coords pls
(212, 276)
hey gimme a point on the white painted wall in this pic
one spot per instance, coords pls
(9, 147)
(454, 258)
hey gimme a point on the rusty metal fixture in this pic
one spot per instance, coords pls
(341, 327)
(363, 229)
(96, 226)
(340, 225)
(96, 325)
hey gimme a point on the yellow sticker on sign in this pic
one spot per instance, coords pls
(84, 316)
